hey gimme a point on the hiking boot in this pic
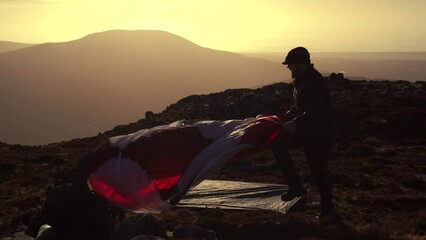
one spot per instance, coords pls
(292, 194)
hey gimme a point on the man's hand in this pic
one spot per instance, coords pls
(289, 127)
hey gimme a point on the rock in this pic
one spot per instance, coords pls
(149, 237)
(21, 236)
(141, 224)
(420, 177)
(188, 231)
(337, 78)
(149, 114)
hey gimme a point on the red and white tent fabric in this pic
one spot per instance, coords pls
(151, 169)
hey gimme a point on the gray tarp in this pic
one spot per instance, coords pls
(237, 195)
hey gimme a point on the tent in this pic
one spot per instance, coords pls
(150, 170)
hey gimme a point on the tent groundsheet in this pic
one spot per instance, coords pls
(237, 195)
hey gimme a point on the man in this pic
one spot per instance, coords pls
(312, 127)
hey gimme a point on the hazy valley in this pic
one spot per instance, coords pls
(59, 91)
(409, 66)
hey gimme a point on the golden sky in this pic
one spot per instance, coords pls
(231, 25)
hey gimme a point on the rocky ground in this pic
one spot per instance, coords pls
(378, 165)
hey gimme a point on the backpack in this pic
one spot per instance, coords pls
(72, 208)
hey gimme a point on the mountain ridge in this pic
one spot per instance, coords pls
(7, 46)
(369, 65)
(79, 88)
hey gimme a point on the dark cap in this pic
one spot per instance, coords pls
(298, 55)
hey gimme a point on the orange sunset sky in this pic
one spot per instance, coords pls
(237, 25)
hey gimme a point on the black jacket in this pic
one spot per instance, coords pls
(312, 108)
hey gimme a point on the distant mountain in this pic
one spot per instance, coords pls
(365, 65)
(58, 91)
(6, 46)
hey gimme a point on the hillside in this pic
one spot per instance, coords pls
(376, 168)
(59, 91)
(6, 46)
(409, 66)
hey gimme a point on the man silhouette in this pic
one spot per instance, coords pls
(311, 127)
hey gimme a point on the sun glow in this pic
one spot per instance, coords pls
(238, 25)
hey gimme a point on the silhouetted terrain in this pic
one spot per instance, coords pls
(366, 65)
(59, 91)
(6, 46)
(377, 165)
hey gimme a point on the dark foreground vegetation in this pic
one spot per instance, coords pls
(378, 163)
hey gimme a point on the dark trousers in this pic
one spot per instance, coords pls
(318, 151)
